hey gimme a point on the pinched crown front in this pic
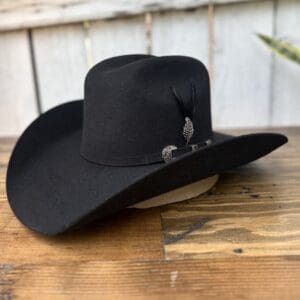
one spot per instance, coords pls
(137, 105)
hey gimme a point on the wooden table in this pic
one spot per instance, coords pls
(239, 241)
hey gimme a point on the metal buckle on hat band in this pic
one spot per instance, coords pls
(171, 152)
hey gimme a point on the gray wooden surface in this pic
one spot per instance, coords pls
(42, 66)
(60, 62)
(286, 81)
(17, 94)
(242, 66)
(33, 13)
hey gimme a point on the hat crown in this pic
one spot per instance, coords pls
(136, 105)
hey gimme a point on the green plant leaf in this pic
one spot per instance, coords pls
(282, 48)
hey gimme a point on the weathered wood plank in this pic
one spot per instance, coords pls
(130, 235)
(18, 102)
(286, 85)
(116, 37)
(61, 63)
(242, 67)
(244, 278)
(183, 33)
(6, 147)
(36, 13)
(252, 211)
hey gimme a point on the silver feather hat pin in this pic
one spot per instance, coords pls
(188, 129)
(188, 110)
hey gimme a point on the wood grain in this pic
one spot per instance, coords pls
(18, 100)
(252, 211)
(37, 13)
(242, 278)
(239, 241)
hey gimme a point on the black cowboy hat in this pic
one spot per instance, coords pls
(143, 129)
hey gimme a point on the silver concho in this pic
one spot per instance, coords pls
(167, 153)
(188, 129)
(208, 142)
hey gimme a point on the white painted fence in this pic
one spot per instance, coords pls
(42, 65)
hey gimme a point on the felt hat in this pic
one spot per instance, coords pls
(143, 129)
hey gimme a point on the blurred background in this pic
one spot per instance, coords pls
(46, 48)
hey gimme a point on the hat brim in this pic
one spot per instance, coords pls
(51, 188)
